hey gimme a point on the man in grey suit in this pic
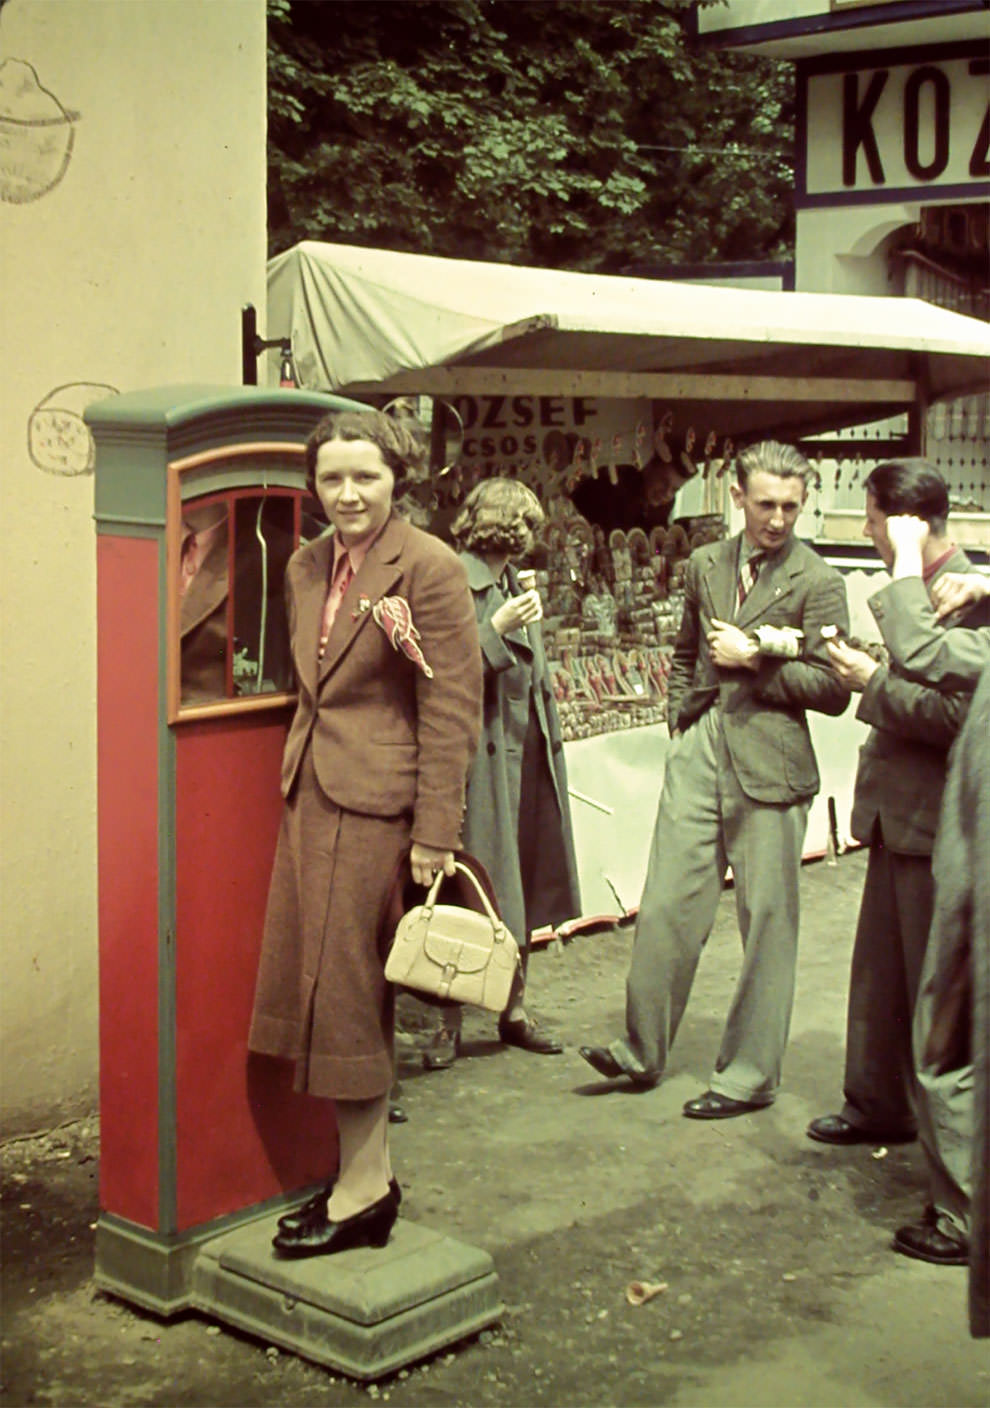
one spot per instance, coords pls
(740, 777)
(896, 803)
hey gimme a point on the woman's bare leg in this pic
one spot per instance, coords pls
(362, 1126)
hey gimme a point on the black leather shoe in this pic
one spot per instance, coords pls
(314, 1209)
(712, 1106)
(528, 1037)
(371, 1227)
(925, 1242)
(397, 1113)
(600, 1059)
(833, 1129)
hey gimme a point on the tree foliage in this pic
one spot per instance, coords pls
(580, 134)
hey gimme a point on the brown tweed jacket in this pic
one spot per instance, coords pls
(387, 739)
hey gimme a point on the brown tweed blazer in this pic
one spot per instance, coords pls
(387, 739)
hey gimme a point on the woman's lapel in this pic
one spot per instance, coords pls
(310, 597)
(377, 574)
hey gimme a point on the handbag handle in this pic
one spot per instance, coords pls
(441, 875)
(396, 902)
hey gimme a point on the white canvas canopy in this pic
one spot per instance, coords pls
(372, 320)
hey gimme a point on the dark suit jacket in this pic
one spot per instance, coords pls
(902, 764)
(387, 739)
(763, 711)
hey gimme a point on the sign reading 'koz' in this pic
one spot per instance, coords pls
(912, 121)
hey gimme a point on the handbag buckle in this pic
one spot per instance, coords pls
(446, 978)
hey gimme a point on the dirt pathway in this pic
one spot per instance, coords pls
(781, 1287)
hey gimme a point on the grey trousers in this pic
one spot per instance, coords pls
(895, 915)
(945, 1107)
(704, 823)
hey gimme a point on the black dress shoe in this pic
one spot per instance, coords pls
(371, 1227)
(314, 1209)
(712, 1106)
(396, 1113)
(600, 1059)
(833, 1129)
(925, 1242)
(528, 1037)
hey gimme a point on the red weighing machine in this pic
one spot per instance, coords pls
(194, 696)
(200, 500)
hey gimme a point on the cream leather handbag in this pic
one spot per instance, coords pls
(458, 954)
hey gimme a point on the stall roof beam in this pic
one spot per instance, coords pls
(660, 386)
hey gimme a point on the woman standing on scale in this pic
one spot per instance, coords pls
(385, 649)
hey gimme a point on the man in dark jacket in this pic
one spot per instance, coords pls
(896, 803)
(952, 1018)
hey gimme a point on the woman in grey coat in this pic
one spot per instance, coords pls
(517, 821)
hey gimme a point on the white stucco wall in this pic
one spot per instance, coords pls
(132, 230)
(844, 249)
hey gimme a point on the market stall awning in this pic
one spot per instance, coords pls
(371, 320)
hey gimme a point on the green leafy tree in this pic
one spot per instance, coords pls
(580, 134)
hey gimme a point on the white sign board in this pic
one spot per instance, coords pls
(896, 126)
(549, 433)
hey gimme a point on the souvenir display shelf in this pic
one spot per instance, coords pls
(612, 598)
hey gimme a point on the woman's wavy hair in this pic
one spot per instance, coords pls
(400, 442)
(499, 515)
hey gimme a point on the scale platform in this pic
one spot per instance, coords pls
(366, 1313)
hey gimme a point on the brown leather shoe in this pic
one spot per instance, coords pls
(600, 1059)
(521, 1032)
(442, 1050)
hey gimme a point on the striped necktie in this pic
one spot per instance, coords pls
(748, 574)
(342, 580)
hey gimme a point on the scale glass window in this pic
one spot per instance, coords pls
(235, 546)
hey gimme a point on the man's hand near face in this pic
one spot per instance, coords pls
(907, 536)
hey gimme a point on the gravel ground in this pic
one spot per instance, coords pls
(780, 1286)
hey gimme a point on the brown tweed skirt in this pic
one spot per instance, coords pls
(321, 998)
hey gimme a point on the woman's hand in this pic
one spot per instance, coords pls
(518, 611)
(426, 862)
(954, 590)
